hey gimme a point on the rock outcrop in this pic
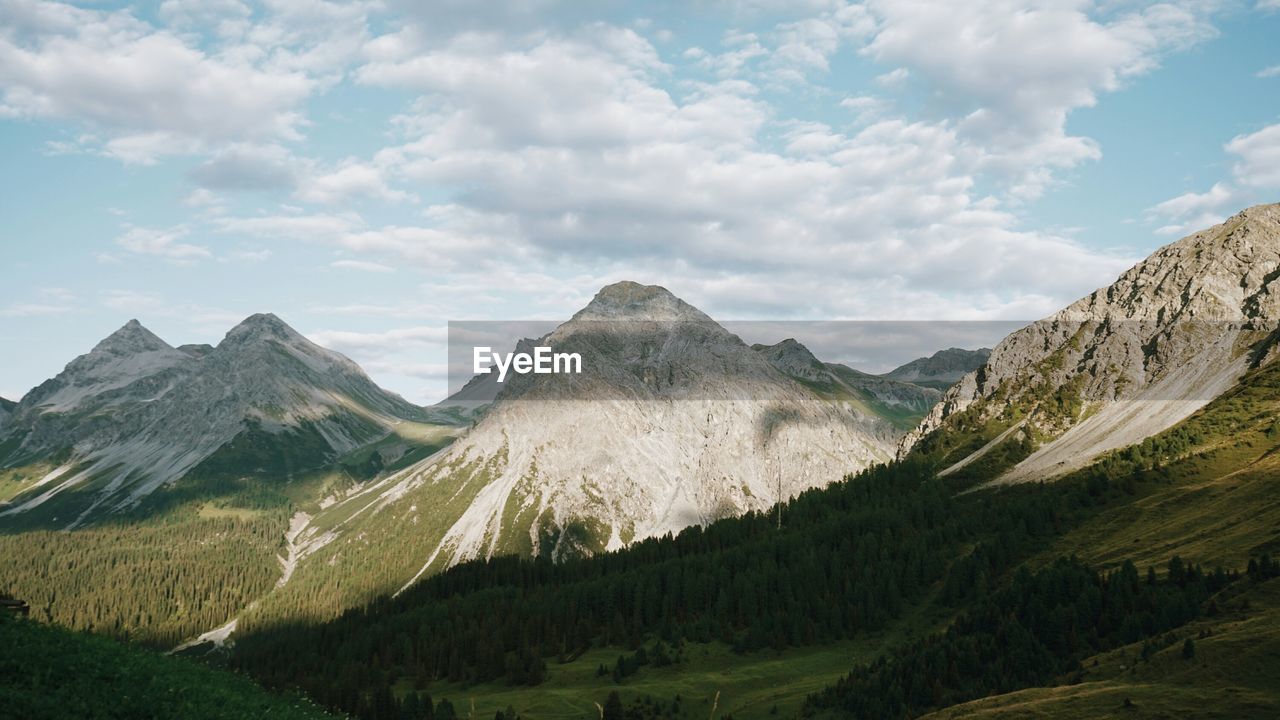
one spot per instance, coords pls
(1125, 362)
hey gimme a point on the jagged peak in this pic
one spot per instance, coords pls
(790, 347)
(131, 338)
(262, 326)
(257, 331)
(1220, 273)
(627, 300)
(792, 358)
(1260, 222)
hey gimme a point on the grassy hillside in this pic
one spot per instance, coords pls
(1204, 490)
(1231, 673)
(1214, 485)
(49, 673)
(1207, 489)
(754, 621)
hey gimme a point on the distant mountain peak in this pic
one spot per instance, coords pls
(792, 358)
(263, 326)
(130, 339)
(945, 366)
(627, 300)
(158, 411)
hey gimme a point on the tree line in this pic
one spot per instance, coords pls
(848, 560)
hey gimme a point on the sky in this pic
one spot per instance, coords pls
(370, 171)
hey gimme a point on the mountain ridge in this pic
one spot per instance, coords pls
(944, 367)
(1122, 363)
(135, 413)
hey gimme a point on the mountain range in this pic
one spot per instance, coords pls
(676, 422)
(135, 414)
(688, 492)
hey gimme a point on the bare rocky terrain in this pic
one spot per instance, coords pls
(1130, 359)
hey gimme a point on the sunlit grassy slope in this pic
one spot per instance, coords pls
(1234, 673)
(1216, 501)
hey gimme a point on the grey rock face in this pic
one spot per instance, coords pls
(944, 366)
(6, 409)
(674, 421)
(1133, 358)
(796, 361)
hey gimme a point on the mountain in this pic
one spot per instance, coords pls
(1145, 585)
(942, 369)
(1123, 363)
(673, 422)
(903, 404)
(6, 409)
(135, 414)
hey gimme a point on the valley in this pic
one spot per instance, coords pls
(1079, 521)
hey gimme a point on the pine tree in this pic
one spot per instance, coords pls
(613, 707)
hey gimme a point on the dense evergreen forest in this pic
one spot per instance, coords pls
(848, 560)
(155, 582)
(1035, 629)
(183, 564)
(50, 673)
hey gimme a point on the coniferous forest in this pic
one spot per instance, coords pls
(847, 561)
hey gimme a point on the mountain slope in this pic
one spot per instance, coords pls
(1202, 491)
(903, 404)
(942, 369)
(135, 414)
(6, 410)
(182, 471)
(695, 426)
(47, 673)
(673, 422)
(1124, 363)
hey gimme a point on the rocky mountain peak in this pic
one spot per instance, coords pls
(131, 339)
(792, 358)
(1224, 273)
(945, 366)
(139, 414)
(1133, 358)
(262, 326)
(628, 300)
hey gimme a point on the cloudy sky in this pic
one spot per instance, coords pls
(370, 170)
